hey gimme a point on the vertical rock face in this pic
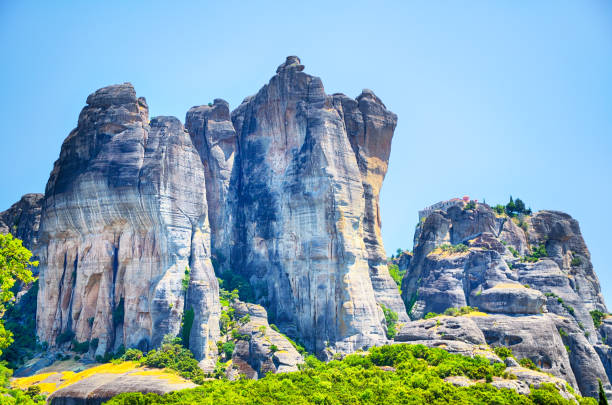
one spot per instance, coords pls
(214, 137)
(476, 257)
(22, 220)
(124, 215)
(283, 191)
(306, 231)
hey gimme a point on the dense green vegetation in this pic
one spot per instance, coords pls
(391, 320)
(397, 275)
(597, 317)
(536, 254)
(15, 265)
(173, 355)
(9, 396)
(513, 208)
(22, 324)
(231, 281)
(396, 374)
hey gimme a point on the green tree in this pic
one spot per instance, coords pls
(519, 206)
(602, 394)
(510, 207)
(15, 265)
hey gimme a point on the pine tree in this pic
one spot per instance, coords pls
(602, 394)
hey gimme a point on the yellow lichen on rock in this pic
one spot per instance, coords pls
(25, 382)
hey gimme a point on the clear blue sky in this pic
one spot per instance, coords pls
(494, 97)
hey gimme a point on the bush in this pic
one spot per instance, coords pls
(132, 355)
(528, 363)
(499, 209)
(503, 352)
(358, 379)
(391, 319)
(20, 320)
(188, 317)
(576, 261)
(175, 357)
(470, 206)
(231, 281)
(82, 347)
(186, 279)
(536, 254)
(64, 337)
(597, 317)
(430, 315)
(397, 275)
(228, 349)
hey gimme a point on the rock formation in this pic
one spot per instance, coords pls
(283, 191)
(124, 216)
(538, 305)
(139, 217)
(265, 350)
(23, 219)
(293, 182)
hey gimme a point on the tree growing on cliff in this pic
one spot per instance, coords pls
(602, 394)
(15, 265)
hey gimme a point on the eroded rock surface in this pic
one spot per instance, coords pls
(303, 205)
(124, 215)
(22, 219)
(265, 350)
(538, 307)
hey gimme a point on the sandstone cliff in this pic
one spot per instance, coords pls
(140, 217)
(293, 179)
(283, 191)
(537, 304)
(22, 219)
(124, 215)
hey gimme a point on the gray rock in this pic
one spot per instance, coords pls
(213, 135)
(124, 215)
(266, 350)
(305, 226)
(511, 362)
(99, 388)
(510, 299)
(22, 219)
(442, 328)
(489, 276)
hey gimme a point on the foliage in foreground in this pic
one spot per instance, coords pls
(8, 396)
(171, 355)
(15, 265)
(416, 378)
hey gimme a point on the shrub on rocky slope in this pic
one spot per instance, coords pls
(410, 374)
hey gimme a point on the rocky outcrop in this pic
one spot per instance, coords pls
(124, 216)
(22, 220)
(283, 191)
(304, 206)
(535, 280)
(213, 135)
(260, 349)
(96, 385)
(99, 388)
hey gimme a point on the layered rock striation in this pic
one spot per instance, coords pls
(124, 216)
(293, 177)
(534, 282)
(283, 191)
(22, 219)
